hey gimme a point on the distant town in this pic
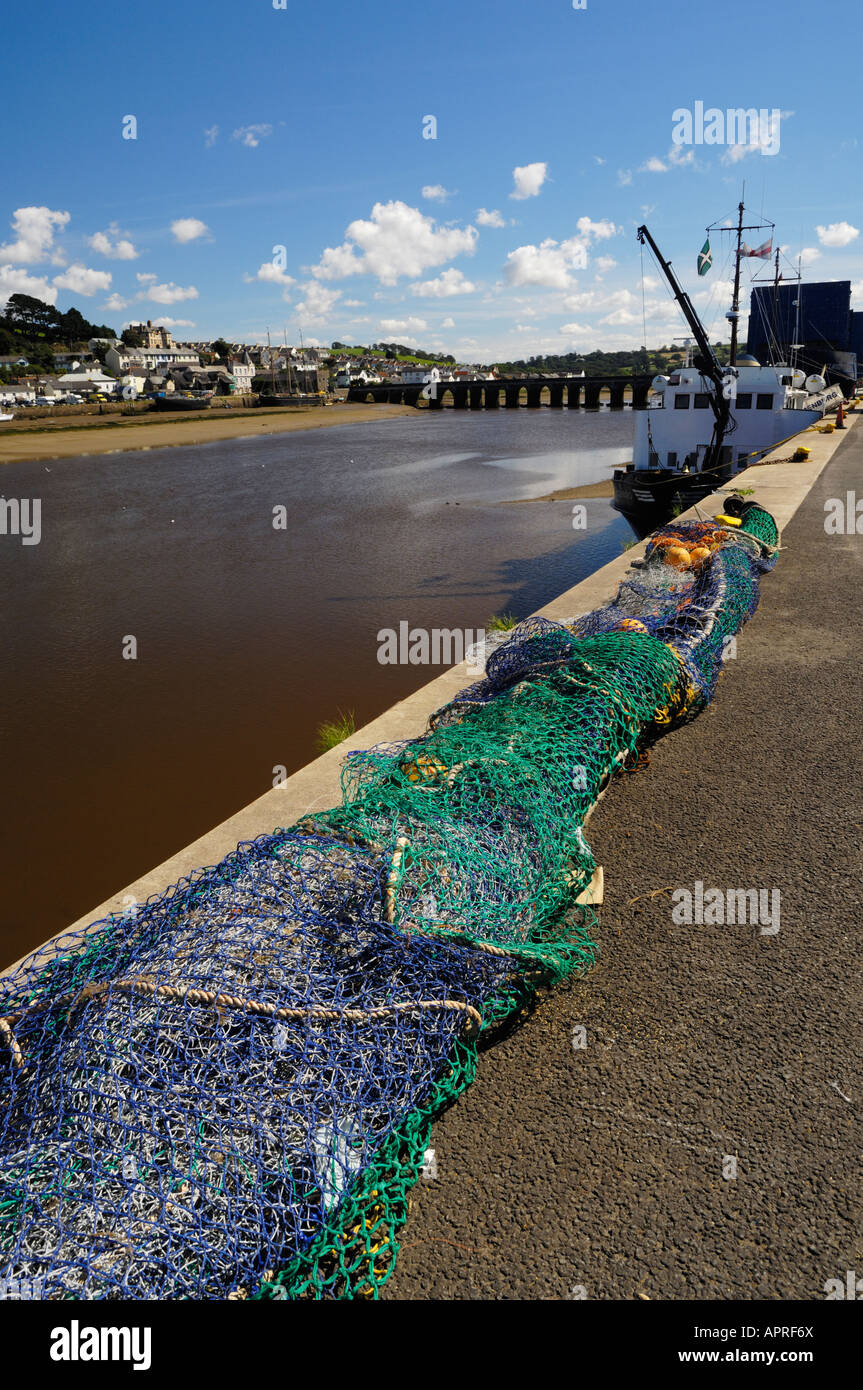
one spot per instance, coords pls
(147, 362)
(43, 363)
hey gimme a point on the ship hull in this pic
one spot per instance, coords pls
(183, 402)
(651, 496)
(292, 400)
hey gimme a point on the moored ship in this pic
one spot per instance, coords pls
(706, 422)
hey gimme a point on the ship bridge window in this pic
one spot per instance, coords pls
(764, 401)
(681, 401)
(743, 400)
(702, 400)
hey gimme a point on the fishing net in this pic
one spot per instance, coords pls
(228, 1092)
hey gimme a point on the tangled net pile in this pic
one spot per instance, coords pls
(230, 1092)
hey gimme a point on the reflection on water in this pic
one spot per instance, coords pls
(248, 637)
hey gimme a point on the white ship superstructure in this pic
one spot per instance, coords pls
(771, 404)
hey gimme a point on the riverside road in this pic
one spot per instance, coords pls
(705, 1140)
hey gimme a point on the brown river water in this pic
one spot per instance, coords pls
(248, 637)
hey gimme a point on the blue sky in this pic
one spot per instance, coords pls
(259, 128)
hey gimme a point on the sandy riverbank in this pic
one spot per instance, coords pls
(110, 434)
(564, 494)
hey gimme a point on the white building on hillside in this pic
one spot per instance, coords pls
(242, 369)
(121, 359)
(86, 381)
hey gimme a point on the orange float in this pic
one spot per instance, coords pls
(677, 556)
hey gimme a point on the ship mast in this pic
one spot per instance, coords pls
(272, 368)
(733, 314)
(775, 295)
(287, 359)
(735, 301)
(707, 363)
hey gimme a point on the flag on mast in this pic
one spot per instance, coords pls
(763, 252)
(705, 258)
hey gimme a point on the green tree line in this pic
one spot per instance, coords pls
(631, 362)
(29, 328)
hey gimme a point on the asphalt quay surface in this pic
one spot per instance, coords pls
(607, 1171)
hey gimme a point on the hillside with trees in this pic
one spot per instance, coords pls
(396, 352)
(632, 362)
(31, 328)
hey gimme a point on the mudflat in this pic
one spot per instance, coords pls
(106, 434)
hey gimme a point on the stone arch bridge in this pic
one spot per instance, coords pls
(514, 392)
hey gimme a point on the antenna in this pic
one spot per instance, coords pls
(733, 314)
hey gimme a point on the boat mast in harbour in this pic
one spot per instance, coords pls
(706, 362)
(763, 252)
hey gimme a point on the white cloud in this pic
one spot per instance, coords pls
(548, 264)
(114, 303)
(252, 135)
(120, 249)
(15, 281)
(528, 180)
(605, 263)
(765, 140)
(650, 282)
(272, 274)
(146, 277)
(599, 159)
(615, 301)
(490, 218)
(436, 193)
(189, 229)
(601, 230)
(175, 323)
(338, 262)
(584, 299)
(168, 293)
(621, 316)
(653, 165)
(317, 301)
(571, 328)
(719, 292)
(408, 325)
(448, 323)
(448, 283)
(837, 234)
(81, 280)
(809, 254)
(210, 136)
(34, 228)
(624, 178)
(354, 303)
(398, 240)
